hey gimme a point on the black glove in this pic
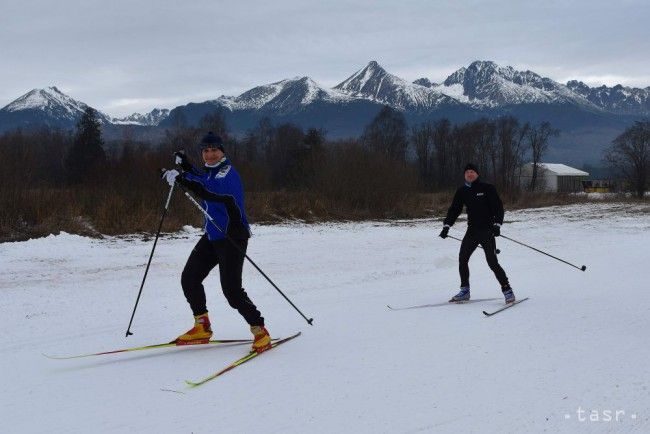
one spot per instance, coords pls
(182, 161)
(496, 230)
(444, 232)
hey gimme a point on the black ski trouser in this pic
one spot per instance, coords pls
(207, 255)
(484, 237)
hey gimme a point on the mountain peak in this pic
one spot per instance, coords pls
(578, 86)
(49, 98)
(375, 83)
(153, 118)
(617, 99)
(365, 79)
(54, 89)
(424, 82)
(374, 65)
(283, 96)
(52, 105)
(456, 78)
(483, 64)
(484, 82)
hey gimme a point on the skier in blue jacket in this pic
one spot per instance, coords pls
(220, 187)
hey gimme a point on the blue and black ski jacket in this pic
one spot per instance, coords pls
(222, 192)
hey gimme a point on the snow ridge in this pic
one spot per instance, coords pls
(152, 118)
(52, 102)
(374, 83)
(283, 96)
(484, 83)
(618, 99)
(481, 85)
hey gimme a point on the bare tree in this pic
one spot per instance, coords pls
(510, 136)
(485, 142)
(629, 154)
(538, 137)
(442, 143)
(422, 138)
(284, 156)
(215, 122)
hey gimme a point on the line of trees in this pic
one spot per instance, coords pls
(54, 180)
(287, 157)
(498, 146)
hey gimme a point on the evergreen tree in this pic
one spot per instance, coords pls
(86, 155)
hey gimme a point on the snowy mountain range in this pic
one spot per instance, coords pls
(375, 84)
(481, 89)
(617, 99)
(152, 118)
(283, 96)
(51, 107)
(487, 84)
(481, 85)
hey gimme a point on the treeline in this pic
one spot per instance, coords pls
(73, 181)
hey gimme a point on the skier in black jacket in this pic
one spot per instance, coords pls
(484, 220)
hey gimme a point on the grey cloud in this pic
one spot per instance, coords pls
(105, 53)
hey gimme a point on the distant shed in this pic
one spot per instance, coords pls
(554, 177)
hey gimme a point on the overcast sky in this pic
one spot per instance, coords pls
(127, 56)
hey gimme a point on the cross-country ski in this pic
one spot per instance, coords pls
(507, 306)
(251, 355)
(227, 342)
(447, 303)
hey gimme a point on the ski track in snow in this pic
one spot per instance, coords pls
(581, 341)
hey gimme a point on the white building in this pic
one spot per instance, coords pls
(553, 177)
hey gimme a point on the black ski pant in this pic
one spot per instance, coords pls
(484, 237)
(207, 255)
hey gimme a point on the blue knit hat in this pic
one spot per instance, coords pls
(211, 140)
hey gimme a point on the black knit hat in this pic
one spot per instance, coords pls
(211, 140)
(471, 166)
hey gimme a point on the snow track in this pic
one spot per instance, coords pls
(581, 342)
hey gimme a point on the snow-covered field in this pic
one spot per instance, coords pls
(577, 351)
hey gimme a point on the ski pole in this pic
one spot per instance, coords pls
(162, 218)
(205, 213)
(582, 268)
(458, 239)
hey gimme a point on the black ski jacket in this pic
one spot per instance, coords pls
(484, 207)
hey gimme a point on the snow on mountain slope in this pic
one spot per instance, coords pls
(284, 96)
(578, 344)
(53, 103)
(374, 83)
(152, 118)
(483, 85)
(488, 84)
(616, 99)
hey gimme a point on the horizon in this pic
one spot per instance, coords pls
(126, 57)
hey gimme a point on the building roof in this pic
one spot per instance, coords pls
(562, 169)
